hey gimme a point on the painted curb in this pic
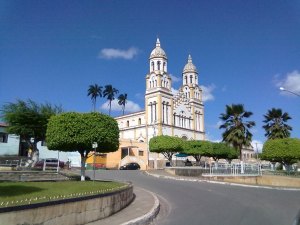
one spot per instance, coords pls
(148, 217)
(224, 183)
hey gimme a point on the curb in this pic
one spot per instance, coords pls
(148, 217)
(220, 182)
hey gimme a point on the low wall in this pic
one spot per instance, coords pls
(265, 180)
(69, 211)
(186, 171)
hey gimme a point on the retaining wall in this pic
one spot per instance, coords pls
(69, 211)
(265, 180)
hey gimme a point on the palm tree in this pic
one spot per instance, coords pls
(110, 92)
(237, 131)
(95, 91)
(122, 101)
(276, 126)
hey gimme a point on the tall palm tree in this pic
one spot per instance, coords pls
(276, 126)
(122, 101)
(237, 131)
(110, 93)
(94, 91)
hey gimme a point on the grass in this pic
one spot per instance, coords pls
(22, 193)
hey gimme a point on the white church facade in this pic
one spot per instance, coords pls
(166, 113)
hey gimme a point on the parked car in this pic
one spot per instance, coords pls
(130, 166)
(50, 162)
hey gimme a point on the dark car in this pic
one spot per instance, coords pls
(130, 166)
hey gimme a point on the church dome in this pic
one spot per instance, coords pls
(190, 67)
(158, 51)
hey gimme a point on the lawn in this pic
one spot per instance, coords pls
(22, 193)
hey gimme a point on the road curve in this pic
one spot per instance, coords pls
(210, 204)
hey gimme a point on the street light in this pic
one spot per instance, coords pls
(283, 89)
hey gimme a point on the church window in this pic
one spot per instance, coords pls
(186, 94)
(185, 79)
(150, 83)
(158, 65)
(167, 113)
(196, 79)
(163, 112)
(151, 112)
(155, 83)
(189, 95)
(191, 79)
(140, 121)
(154, 111)
(164, 66)
(127, 123)
(174, 118)
(152, 65)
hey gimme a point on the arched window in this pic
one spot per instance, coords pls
(140, 121)
(127, 123)
(164, 66)
(185, 79)
(191, 79)
(158, 65)
(152, 65)
(155, 83)
(150, 83)
(196, 77)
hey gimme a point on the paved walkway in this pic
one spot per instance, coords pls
(141, 211)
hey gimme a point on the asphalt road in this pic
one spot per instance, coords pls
(190, 203)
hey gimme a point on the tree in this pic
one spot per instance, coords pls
(222, 151)
(285, 151)
(78, 131)
(122, 101)
(237, 131)
(276, 126)
(166, 145)
(197, 149)
(29, 120)
(94, 91)
(110, 93)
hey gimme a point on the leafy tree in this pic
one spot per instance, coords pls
(166, 145)
(77, 131)
(197, 149)
(276, 126)
(236, 131)
(29, 120)
(110, 93)
(285, 151)
(122, 101)
(222, 151)
(94, 91)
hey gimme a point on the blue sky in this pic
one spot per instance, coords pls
(51, 51)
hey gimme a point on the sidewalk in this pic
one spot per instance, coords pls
(141, 211)
(161, 173)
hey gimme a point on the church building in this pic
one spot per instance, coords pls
(166, 113)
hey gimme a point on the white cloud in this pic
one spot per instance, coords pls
(257, 145)
(129, 107)
(174, 91)
(207, 92)
(113, 53)
(291, 82)
(174, 78)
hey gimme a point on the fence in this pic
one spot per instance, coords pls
(234, 170)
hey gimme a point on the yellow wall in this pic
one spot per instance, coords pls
(113, 159)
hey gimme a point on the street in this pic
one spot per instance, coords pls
(210, 204)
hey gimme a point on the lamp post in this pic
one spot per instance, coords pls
(95, 145)
(294, 93)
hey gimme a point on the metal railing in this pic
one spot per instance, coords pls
(234, 170)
